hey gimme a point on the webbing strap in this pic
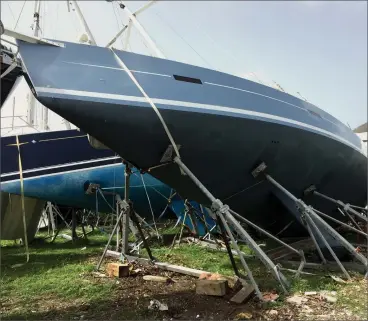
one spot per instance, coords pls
(22, 198)
(122, 64)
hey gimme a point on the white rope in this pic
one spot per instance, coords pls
(122, 64)
(22, 199)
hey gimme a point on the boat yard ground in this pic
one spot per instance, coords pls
(59, 283)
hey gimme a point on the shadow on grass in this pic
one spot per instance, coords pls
(183, 304)
(46, 255)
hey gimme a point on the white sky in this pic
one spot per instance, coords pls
(316, 48)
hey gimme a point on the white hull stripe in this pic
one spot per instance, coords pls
(61, 173)
(63, 165)
(187, 104)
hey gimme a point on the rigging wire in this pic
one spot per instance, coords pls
(56, 21)
(169, 25)
(149, 202)
(144, 43)
(20, 14)
(116, 13)
(11, 11)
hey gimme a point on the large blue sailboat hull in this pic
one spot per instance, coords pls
(226, 126)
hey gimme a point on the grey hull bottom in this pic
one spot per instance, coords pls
(222, 151)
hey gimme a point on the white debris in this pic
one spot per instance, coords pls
(158, 306)
(310, 293)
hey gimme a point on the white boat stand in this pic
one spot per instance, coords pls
(310, 217)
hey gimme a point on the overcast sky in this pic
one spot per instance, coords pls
(316, 48)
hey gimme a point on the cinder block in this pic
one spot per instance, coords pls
(212, 287)
(117, 270)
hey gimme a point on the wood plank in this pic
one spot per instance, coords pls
(162, 265)
(242, 295)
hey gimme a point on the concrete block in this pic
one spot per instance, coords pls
(212, 287)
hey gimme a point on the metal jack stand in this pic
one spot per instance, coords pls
(223, 214)
(311, 218)
(346, 207)
(299, 252)
(126, 212)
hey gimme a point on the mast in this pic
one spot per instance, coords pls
(91, 40)
(141, 30)
(36, 28)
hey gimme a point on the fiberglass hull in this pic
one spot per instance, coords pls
(225, 125)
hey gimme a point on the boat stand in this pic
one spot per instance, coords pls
(310, 218)
(124, 214)
(347, 208)
(224, 216)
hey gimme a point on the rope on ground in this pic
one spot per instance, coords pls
(22, 198)
(130, 74)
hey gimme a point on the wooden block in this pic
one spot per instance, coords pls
(243, 294)
(212, 287)
(117, 270)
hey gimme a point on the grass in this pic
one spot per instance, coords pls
(56, 272)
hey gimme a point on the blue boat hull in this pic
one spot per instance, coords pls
(200, 222)
(59, 166)
(226, 126)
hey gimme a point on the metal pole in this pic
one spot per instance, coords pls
(346, 207)
(112, 41)
(315, 241)
(251, 243)
(36, 27)
(228, 248)
(84, 23)
(110, 238)
(145, 243)
(126, 217)
(343, 224)
(129, 29)
(263, 231)
(74, 226)
(329, 229)
(242, 260)
(143, 32)
(310, 220)
(338, 237)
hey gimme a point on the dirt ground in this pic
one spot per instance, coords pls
(132, 295)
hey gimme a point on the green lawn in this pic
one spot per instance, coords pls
(59, 275)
